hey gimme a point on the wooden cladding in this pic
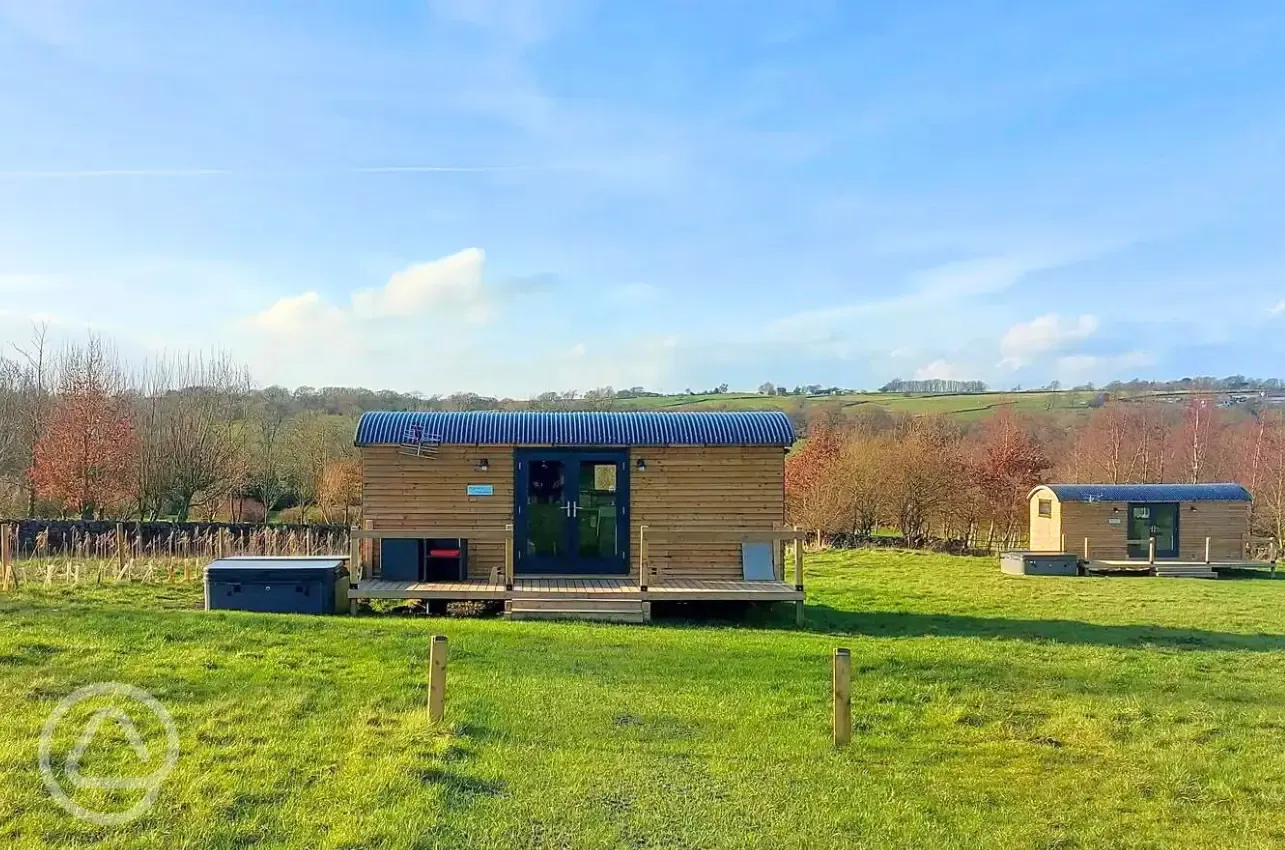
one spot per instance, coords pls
(400, 491)
(683, 489)
(1106, 527)
(694, 488)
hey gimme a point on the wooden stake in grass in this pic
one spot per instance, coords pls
(842, 697)
(4, 557)
(436, 678)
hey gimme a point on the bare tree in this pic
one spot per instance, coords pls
(313, 443)
(35, 376)
(268, 418)
(199, 416)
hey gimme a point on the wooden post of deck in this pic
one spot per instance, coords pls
(642, 558)
(1151, 550)
(120, 550)
(508, 556)
(1206, 550)
(842, 697)
(1086, 548)
(368, 562)
(436, 678)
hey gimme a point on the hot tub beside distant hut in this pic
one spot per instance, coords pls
(1173, 528)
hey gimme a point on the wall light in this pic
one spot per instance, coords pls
(482, 465)
(641, 465)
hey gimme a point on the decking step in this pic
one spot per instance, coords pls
(610, 610)
(546, 603)
(1186, 573)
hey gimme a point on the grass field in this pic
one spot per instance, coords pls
(964, 405)
(990, 711)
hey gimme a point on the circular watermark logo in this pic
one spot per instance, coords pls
(118, 698)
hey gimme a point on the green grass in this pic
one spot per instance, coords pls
(990, 711)
(964, 405)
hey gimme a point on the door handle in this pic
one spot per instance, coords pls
(571, 509)
(575, 509)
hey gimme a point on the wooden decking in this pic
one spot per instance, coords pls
(663, 590)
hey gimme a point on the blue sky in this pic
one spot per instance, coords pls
(509, 196)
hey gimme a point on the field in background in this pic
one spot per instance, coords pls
(990, 711)
(964, 405)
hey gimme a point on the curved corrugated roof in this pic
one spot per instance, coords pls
(563, 428)
(1149, 492)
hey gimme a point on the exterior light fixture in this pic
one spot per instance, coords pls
(482, 465)
(641, 465)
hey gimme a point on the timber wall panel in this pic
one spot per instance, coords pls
(400, 491)
(1226, 524)
(690, 488)
(684, 488)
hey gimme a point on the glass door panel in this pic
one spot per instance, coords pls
(547, 510)
(1164, 526)
(1158, 520)
(596, 510)
(572, 511)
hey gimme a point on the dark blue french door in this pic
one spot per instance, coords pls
(571, 511)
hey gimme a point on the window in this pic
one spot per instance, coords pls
(1046, 507)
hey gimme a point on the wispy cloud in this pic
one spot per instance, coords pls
(933, 287)
(91, 173)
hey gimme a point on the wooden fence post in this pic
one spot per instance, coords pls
(1206, 550)
(4, 556)
(842, 697)
(436, 678)
(1151, 550)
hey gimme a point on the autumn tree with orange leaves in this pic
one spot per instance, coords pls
(86, 455)
(1006, 464)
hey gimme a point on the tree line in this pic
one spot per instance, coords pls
(181, 436)
(936, 477)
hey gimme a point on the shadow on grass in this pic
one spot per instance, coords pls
(822, 618)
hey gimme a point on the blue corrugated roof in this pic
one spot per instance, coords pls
(1150, 492)
(592, 428)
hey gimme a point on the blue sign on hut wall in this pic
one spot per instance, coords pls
(481, 490)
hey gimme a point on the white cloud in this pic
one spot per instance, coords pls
(941, 370)
(1042, 335)
(1277, 309)
(451, 282)
(298, 314)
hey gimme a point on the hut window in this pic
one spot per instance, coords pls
(1046, 507)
